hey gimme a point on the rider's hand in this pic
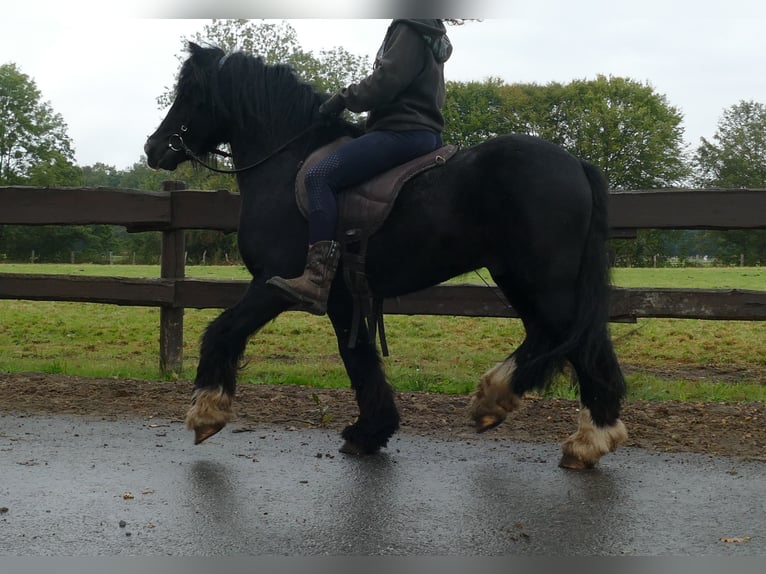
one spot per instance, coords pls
(333, 106)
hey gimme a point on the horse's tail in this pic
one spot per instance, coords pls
(586, 342)
(593, 282)
(590, 347)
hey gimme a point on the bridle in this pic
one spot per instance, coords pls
(176, 143)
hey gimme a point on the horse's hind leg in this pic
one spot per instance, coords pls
(585, 447)
(547, 319)
(500, 389)
(599, 376)
(378, 416)
(602, 388)
(222, 347)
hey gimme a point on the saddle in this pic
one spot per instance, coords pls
(362, 210)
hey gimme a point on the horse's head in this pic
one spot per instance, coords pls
(191, 125)
(239, 99)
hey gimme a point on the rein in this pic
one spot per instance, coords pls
(176, 143)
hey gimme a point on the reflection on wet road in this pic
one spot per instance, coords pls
(79, 486)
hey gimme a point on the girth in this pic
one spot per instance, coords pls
(362, 210)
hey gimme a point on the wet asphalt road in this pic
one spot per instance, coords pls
(83, 487)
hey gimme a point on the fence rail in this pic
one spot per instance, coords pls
(627, 304)
(175, 209)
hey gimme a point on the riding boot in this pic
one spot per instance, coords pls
(310, 290)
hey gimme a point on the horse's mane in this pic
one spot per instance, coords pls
(244, 89)
(270, 92)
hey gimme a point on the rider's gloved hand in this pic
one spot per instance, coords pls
(333, 106)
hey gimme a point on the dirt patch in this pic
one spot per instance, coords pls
(731, 429)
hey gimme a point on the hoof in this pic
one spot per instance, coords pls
(571, 462)
(355, 450)
(494, 399)
(488, 422)
(585, 447)
(209, 413)
(205, 432)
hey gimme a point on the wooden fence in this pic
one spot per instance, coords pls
(175, 209)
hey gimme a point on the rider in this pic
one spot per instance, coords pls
(404, 96)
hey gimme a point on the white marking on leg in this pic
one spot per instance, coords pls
(585, 447)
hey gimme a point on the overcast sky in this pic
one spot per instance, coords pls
(102, 68)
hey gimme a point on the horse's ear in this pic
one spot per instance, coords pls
(192, 47)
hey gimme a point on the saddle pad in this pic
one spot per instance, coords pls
(366, 206)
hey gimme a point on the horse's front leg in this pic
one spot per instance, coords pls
(222, 347)
(378, 416)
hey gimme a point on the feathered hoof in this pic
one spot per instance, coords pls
(585, 447)
(211, 410)
(487, 422)
(203, 433)
(493, 399)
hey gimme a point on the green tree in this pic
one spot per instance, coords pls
(632, 133)
(535, 110)
(50, 243)
(330, 70)
(635, 136)
(737, 155)
(34, 145)
(35, 150)
(474, 112)
(100, 175)
(736, 158)
(623, 126)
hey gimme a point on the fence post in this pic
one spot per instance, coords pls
(171, 317)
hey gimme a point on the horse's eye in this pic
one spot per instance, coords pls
(184, 128)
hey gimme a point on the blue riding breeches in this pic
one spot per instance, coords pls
(354, 163)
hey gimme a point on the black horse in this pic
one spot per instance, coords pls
(525, 209)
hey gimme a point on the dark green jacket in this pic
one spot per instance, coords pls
(406, 88)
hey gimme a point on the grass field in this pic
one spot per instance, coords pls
(664, 358)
